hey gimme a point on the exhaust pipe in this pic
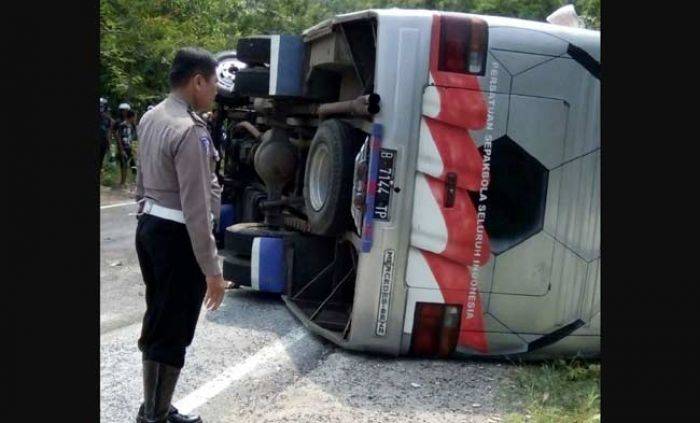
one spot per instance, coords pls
(365, 105)
(252, 130)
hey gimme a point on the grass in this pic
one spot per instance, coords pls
(555, 391)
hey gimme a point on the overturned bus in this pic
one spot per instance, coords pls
(418, 183)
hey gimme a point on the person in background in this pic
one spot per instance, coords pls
(218, 137)
(130, 157)
(126, 134)
(116, 123)
(105, 131)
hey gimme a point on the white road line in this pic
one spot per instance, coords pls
(118, 205)
(214, 387)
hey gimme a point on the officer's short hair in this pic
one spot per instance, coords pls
(190, 61)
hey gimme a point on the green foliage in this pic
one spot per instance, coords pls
(555, 391)
(589, 10)
(109, 176)
(138, 38)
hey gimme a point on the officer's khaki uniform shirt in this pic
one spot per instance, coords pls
(175, 170)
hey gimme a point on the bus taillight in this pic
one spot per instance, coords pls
(463, 45)
(435, 329)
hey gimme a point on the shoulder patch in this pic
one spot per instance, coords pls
(205, 144)
(208, 149)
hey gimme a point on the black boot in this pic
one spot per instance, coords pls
(159, 382)
(175, 417)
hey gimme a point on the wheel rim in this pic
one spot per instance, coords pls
(319, 177)
(226, 72)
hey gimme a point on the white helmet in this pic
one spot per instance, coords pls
(124, 106)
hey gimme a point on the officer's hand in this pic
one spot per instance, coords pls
(216, 285)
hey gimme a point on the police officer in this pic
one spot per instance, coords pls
(178, 195)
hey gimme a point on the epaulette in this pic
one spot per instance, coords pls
(195, 117)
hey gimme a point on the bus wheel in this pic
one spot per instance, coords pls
(227, 67)
(328, 178)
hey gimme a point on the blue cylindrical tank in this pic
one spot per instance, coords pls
(268, 267)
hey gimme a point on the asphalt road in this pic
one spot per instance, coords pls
(252, 361)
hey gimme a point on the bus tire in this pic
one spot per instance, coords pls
(328, 178)
(226, 77)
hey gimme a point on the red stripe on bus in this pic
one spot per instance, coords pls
(462, 108)
(455, 284)
(460, 220)
(458, 152)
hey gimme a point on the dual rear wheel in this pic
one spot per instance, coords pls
(328, 178)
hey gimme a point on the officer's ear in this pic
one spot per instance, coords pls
(198, 80)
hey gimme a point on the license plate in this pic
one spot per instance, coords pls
(385, 185)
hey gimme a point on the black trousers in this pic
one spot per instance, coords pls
(175, 288)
